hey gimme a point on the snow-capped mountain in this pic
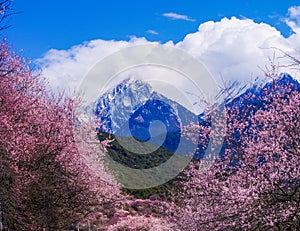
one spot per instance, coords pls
(259, 92)
(259, 96)
(134, 103)
(132, 108)
(115, 106)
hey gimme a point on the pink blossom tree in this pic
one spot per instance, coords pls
(255, 185)
(50, 178)
(142, 223)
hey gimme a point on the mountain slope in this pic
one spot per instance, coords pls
(133, 108)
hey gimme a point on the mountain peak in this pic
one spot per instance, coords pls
(285, 78)
(116, 104)
(134, 105)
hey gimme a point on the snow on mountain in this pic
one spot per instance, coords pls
(134, 102)
(130, 108)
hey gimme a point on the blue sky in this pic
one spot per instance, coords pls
(232, 39)
(42, 25)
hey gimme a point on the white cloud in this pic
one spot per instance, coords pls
(234, 48)
(67, 68)
(231, 48)
(175, 16)
(294, 12)
(152, 32)
(293, 20)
